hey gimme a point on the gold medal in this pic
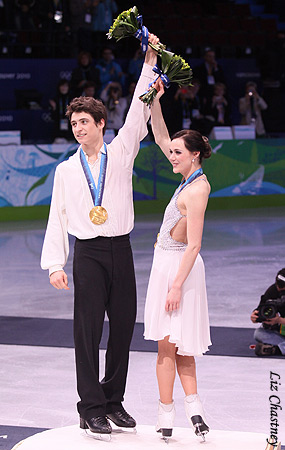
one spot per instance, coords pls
(98, 215)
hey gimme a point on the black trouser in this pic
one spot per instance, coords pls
(104, 280)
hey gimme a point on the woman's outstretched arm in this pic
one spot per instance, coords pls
(158, 126)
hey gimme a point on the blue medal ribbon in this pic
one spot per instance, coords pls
(192, 177)
(142, 34)
(96, 193)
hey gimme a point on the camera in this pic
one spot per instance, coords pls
(270, 308)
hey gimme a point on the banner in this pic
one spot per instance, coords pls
(236, 168)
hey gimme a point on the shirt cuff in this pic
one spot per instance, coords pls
(54, 269)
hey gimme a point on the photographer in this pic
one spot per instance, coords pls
(251, 107)
(115, 104)
(270, 336)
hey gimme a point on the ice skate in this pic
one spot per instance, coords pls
(165, 421)
(123, 421)
(195, 415)
(97, 428)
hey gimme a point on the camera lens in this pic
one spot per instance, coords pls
(267, 312)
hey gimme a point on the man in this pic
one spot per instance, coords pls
(270, 336)
(109, 70)
(208, 73)
(103, 269)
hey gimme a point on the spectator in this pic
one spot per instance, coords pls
(115, 104)
(54, 18)
(192, 109)
(81, 24)
(251, 107)
(62, 128)
(103, 13)
(217, 109)
(89, 89)
(84, 72)
(208, 73)
(135, 65)
(25, 23)
(23, 15)
(129, 96)
(109, 69)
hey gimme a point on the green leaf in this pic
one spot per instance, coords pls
(166, 58)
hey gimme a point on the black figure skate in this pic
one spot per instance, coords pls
(97, 428)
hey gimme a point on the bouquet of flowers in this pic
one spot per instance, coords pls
(173, 69)
(129, 23)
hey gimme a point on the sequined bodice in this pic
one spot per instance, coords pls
(171, 217)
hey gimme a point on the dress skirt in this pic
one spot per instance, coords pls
(188, 327)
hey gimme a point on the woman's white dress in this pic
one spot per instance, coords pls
(188, 327)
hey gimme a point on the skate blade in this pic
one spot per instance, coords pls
(118, 430)
(200, 433)
(165, 438)
(97, 436)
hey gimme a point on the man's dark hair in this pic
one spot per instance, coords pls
(280, 279)
(89, 105)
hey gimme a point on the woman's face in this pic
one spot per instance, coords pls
(63, 89)
(180, 157)
(84, 60)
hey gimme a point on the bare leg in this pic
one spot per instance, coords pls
(186, 369)
(165, 370)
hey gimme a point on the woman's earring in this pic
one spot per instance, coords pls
(193, 160)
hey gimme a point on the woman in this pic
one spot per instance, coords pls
(176, 312)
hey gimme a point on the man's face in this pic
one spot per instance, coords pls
(210, 57)
(280, 289)
(85, 130)
(84, 60)
(107, 55)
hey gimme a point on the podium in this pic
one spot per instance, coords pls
(243, 131)
(221, 133)
(10, 137)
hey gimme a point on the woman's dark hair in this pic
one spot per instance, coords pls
(84, 53)
(89, 105)
(195, 142)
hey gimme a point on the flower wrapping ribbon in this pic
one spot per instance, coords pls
(163, 76)
(142, 34)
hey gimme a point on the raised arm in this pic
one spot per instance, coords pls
(158, 125)
(135, 129)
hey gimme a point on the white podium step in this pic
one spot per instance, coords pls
(73, 438)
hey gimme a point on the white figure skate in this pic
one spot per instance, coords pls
(195, 415)
(165, 421)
